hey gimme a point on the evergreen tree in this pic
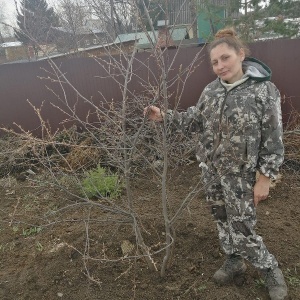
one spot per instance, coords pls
(34, 20)
(281, 17)
(250, 20)
(268, 19)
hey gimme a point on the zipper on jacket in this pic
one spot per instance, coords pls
(219, 137)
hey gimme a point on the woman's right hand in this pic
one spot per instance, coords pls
(153, 113)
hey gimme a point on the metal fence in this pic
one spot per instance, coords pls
(34, 82)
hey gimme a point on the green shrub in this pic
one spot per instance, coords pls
(31, 231)
(97, 183)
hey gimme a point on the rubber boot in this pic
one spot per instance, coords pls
(233, 266)
(275, 284)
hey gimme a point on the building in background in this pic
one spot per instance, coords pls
(67, 41)
(166, 36)
(13, 51)
(210, 18)
(203, 17)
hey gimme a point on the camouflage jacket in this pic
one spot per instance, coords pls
(240, 128)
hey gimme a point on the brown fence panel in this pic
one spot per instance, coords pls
(192, 81)
(36, 82)
(283, 57)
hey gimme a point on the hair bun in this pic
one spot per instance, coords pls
(226, 32)
(228, 36)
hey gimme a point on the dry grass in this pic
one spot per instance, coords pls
(82, 156)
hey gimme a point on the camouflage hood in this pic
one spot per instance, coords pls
(252, 68)
(256, 69)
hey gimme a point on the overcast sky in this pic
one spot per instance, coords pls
(7, 8)
(10, 9)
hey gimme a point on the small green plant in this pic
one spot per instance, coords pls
(97, 183)
(31, 231)
(30, 202)
(52, 208)
(202, 288)
(292, 278)
(2, 247)
(39, 246)
(260, 283)
(7, 247)
(15, 229)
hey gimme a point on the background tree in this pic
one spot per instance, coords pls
(4, 29)
(2, 18)
(117, 16)
(157, 10)
(73, 15)
(1, 26)
(34, 20)
(257, 19)
(249, 18)
(282, 17)
(233, 8)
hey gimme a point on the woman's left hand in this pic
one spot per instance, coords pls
(261, 189)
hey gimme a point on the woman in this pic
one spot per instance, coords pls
(239, 116)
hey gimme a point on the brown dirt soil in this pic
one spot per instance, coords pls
(49, 264)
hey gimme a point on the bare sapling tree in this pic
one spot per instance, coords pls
(161, 97)
(114, 134)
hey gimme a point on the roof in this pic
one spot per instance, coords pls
(178, 34)
(57, 55)
(11, 44)
(141, 37)
(80, 30)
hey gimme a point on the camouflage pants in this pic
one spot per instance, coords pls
(230, 198)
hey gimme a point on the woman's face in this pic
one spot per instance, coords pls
(227, 63)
